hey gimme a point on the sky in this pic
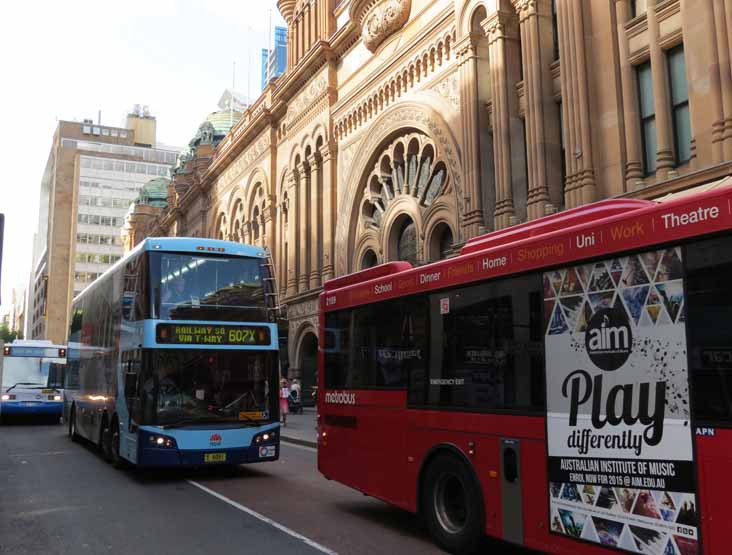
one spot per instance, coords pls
(69, 60)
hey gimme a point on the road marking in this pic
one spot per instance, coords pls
(264, 519)
(41, 512)
(43, 454)
(298, 446)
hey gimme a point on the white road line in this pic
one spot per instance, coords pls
(298, 446)
(43, 454)
(264, 519)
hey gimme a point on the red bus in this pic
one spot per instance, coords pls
(565, 384)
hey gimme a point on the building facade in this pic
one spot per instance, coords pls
(93, 174)
(402, 128)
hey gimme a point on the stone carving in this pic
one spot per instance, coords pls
(406, 116)
(408, 166)
(302, 309)
(309, 97)
(448, 89)
(249, 156)
(379, 19)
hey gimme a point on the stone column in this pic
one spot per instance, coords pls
(661, 98)
(314, 22)
(306, 27)
(631, 113)
(495, 28)
(723, 33)
(538, 190)
(303, 185)
(467, 55)
(580, 186)
(315, 211)
(292, 235)
(328, 160)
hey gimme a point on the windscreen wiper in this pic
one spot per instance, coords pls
(38, 385)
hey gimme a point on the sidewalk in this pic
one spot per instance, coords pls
(300, 428)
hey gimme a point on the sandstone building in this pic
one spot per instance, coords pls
(401, 128)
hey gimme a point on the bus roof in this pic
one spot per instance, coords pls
(591, 231)
(199, 245)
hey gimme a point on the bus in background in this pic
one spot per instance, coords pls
(565, 384)
(32, 376)
(173, 356)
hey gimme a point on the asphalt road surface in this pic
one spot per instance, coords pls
(60, 497)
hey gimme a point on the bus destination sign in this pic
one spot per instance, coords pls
(193, 334)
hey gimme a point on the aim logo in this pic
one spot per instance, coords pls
(215, 440)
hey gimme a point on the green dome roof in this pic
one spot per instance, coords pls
(223, 120)
(154, 192)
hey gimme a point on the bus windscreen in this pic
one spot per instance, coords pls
(208, 288)
(32, 371)
(185, 387)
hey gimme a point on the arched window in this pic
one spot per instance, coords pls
(440, 242)
(407, 241)
(369, 260)
(255, 225)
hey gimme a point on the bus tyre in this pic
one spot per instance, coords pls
(105, 440)
(73, 434)
(114, 457)
(452, 505)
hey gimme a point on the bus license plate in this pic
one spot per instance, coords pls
(214, 457)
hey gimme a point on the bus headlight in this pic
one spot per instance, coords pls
(5, 397)
(263, 437)
(57, 398)
(161, 442)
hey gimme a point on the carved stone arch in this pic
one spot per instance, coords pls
(420, 115)
(369, 241)
(441, 215)
(403, 208)
(466, 12)
(319, 134)
(220, 229)
(304, 328)
(295, 155)
(282, 184)
(237, 218)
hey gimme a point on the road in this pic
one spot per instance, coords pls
(60, 497)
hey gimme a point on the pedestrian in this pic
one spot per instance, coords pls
(296, 389)
(284, 395)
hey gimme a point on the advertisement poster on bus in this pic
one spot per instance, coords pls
(621, 461)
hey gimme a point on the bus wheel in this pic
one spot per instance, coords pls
(114, 444)
(452, 506)
(73, 434)
(105, 440)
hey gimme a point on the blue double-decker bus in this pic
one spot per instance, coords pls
(172, 356)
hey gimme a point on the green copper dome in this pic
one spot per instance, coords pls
(223, 121)
(155, 193)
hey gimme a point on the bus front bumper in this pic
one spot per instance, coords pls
(29, 408)
(151, 456)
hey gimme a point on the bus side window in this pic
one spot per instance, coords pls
(376, 345)
(487, 350)
(709, 335)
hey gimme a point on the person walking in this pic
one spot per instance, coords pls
(284, 395)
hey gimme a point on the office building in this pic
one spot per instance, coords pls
(93, 174)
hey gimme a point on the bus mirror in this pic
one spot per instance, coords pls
(131, 384)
